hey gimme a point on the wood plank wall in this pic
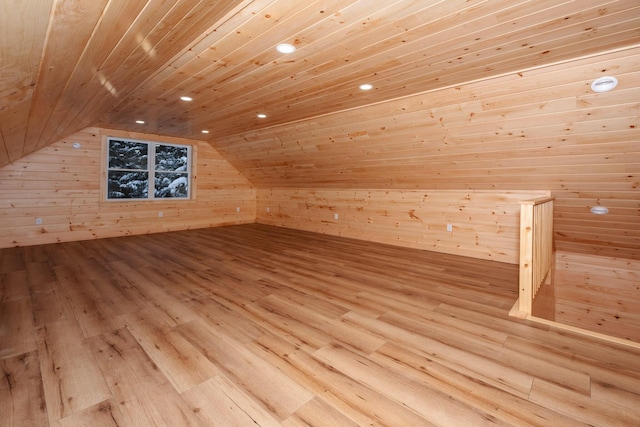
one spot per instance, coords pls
(600, 294)
(485, 224)
(61, 185)
(540, 129)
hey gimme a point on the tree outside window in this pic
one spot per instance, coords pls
(131, 174)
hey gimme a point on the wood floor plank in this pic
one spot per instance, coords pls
(348, 396)
(332, 328)
(529, 364)
(13, 285)
(584, 409)
(167, 304)
(94, 314)
(604, 370)
(317, 412)
(175, 357)
(432, 405)
(103, 414)
(279, 394)
(507, 378)
(22, 400)
(71, 378)
(466, 388)
(260, 325)
(228, 317)
(12, 259)
(143, 394)
(51, 306)
(17, 333)
(219, 401)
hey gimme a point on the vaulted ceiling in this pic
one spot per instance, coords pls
(69, 64)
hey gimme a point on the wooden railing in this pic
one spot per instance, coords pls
(536, 249)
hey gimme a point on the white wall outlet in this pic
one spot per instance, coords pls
(449, 227)
(38, 221)
(160, 214)
(268, 209)
(238, 209)
(335, 216)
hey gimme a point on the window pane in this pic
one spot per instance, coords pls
(128, 185)
(171, 185)
(127, 154)
(171, 158)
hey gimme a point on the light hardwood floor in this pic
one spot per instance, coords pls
(257, 325)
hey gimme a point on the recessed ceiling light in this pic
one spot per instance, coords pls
(205, 131)
(262, 116)
(599, 210)
(186, 98)
(604, 84)
(366, 86)
(140, 122)
(76, 145)
(285, 48)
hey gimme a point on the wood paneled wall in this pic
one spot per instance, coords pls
(61, 185)
(485, 224)
(600, 294)
(540, 129)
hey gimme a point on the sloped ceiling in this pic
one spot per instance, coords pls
(69, 64)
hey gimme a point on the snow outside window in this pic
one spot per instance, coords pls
(147, 170)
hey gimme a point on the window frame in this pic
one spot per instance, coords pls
(151, 170)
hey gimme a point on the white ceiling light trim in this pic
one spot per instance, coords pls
(140, 122)
(366, 86)
(262, 116)
(604, 84)
(285, 48)
(599, 210)
(186, 98)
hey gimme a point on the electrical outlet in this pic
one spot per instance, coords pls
(38, 221)
(449, 227)
(335, 216)
(268, 209)
(160, 214)
(238, 209)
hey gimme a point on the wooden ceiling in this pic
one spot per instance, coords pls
(70, 64)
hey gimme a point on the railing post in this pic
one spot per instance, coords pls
(525, 300)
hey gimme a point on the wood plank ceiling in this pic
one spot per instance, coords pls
(69, 64)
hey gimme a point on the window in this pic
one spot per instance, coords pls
(147, 170)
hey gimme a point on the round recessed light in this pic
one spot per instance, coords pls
(76, 145)
(604, 84)
(285, 48)
(186, 98)
(140, 122)
(262, 116)
(205, 131)
(366, 86)
(599, 210)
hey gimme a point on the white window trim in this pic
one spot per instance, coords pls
(150, 170)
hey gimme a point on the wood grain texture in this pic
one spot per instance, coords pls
(62, 186)
(598, 294)
(79, 63)
(23, 33)
(485, 224)
(484, 95)
(261, 325)
(541, 129)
